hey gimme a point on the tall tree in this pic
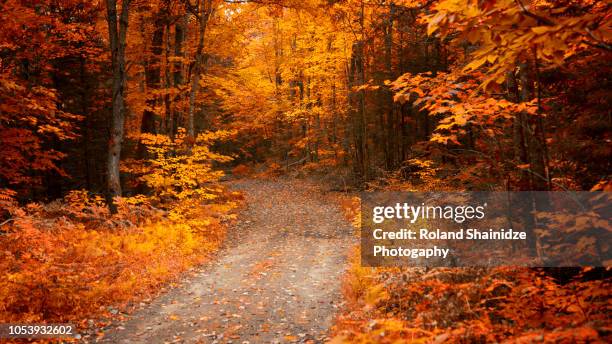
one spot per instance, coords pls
(202, 12)
(117, 37)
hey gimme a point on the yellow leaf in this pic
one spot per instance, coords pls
(542, 29)
(476, 63)
(433, 23)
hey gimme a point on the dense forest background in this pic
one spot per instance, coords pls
(126, 114)
(504, 96)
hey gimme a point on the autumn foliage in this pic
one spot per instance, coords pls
(470, 304)
(507, 109)
(119, 120)
(69, 260)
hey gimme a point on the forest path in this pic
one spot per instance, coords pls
(277, 279)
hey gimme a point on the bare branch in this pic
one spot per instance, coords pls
(7, 221)
(540, 19)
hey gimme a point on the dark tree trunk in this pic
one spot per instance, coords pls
(168, 122)
(204, 13)
(149, 123)
(178, 75)
(117, 37)
(389, 139)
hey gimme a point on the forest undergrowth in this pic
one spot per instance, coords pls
(470, 304)
(71, 260)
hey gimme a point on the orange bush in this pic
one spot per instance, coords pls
(470, 305)
(69, 260)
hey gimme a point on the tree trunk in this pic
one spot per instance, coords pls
(117, 38)
(179, 37)
(357, 102)
(389, 139)
(149, 123)
(334, 124)
(357, 110)
(168, 121)
(204, 13)
(153, 77)
(534, 136)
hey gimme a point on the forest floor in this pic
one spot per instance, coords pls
(277, 279)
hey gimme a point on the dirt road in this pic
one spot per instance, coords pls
(277, 279)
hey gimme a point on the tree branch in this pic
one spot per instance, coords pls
(599, 45)
(540, 19)
(5, 222)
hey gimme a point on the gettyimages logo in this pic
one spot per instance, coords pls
(412, 213)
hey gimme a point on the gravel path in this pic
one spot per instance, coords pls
(277, 279)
